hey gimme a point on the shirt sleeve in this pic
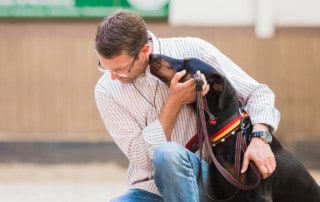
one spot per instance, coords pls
(136, 140)
(259, 100)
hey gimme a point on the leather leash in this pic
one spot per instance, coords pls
(240, 144)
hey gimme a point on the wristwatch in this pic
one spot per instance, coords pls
(264, 135)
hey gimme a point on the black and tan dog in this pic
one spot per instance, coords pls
(291, 181)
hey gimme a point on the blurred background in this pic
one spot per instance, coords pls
(53, 144)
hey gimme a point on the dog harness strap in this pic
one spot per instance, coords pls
(220, 135)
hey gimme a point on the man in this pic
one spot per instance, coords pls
(152, 123)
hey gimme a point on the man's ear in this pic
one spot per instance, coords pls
(146, 50)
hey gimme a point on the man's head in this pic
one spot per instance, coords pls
(122, 45)
(121, 31)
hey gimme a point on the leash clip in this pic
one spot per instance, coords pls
(244, 125)
(198, 81)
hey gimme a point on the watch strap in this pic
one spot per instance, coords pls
(265, 135)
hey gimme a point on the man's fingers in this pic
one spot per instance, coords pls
(245, 163)
(266, 168)
(264, 171)
(270, 168)
(205, 86)
(178, 76)
(205, 89)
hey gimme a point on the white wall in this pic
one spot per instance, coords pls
(297, 13)
(211, 12)
(263, 14)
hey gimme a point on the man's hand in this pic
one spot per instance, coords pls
(260, 153)
(185, 93)
(180, 94)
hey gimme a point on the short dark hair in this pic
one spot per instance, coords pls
(121, 31)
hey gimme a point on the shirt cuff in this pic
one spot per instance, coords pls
(265, 115)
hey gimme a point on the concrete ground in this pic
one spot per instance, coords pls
(93, 182)
(61, 183)
(81, 171)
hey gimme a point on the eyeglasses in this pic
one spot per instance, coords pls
(123, 75)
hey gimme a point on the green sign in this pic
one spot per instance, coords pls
(80, 8)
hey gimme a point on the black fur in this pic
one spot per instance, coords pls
(290, 182)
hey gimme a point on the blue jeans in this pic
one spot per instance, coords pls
(176, 174)
(138, 195)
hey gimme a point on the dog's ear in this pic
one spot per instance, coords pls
(154, 62)
(217, 83)
(227, 97)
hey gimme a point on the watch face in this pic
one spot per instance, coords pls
(267, 136)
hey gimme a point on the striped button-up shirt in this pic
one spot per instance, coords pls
(130, 111)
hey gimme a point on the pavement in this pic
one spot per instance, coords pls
(94, 182)
(81, 171)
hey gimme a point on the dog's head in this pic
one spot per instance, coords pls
(221, 96)
(165, 67)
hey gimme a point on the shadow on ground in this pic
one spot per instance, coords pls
(61, 152)
(103, 152)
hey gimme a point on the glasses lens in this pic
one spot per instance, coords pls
(102, 69)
